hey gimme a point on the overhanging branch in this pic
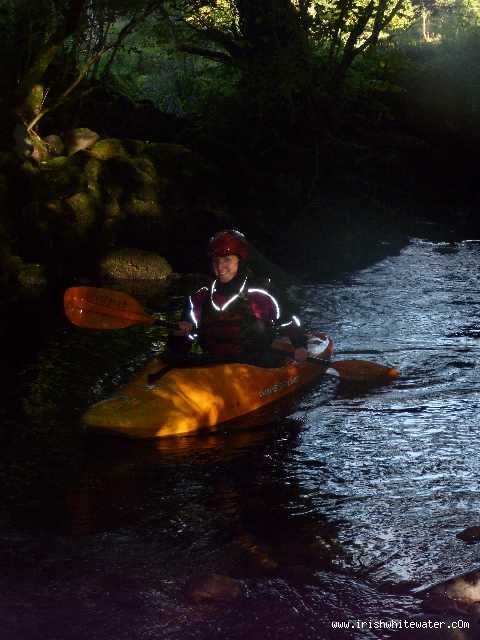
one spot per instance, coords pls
(83, 72)
(216, 56)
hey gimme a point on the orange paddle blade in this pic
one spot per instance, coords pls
(362, 371)
(349, 370)
(94, 308)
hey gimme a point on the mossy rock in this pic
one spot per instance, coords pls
(55, 145)
(120, 173)
(93, 172)
(57, 178)
(171, 159)
(108, 148)
(135, 147)
(134, 184)
(81, 139)
(59, 163)
(145, 166)
(30, 169)
(56, 206)
(83, 206)
(134, 264)
(32, 275)
(112, 208)
(118, 192)
(114, 177)
(138, 207)
(146, 189)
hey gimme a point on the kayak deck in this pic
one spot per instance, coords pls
(198, 399)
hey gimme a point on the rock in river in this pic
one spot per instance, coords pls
(470, 534)
(213, 588)
(134, 264)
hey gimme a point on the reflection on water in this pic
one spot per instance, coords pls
(325, 515)
(408, 452)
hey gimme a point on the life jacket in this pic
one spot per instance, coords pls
(235, 330)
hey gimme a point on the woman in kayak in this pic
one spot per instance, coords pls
(234, 318)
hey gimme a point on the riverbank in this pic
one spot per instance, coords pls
(311, 208)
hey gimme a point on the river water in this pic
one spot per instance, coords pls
(330, 514)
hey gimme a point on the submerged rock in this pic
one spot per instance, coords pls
(213, 588)
(470, 534)
(259, 556)
(134, 264)
(459, 594)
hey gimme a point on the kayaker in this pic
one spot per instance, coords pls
(235, 317)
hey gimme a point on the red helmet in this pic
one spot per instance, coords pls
(226, 243)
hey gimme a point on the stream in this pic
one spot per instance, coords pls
(332, 513)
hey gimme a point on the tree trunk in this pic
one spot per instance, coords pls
(31, 91)
(276, 59)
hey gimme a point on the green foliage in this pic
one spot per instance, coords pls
(217, 14)
(379, 72)
(334, 21)
(174, 82)
(357, 48)
(454, 18)
(444, 82)
(148, 66)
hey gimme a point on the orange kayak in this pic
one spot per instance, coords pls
(194, 400)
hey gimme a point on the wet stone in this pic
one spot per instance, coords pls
(213, 588)
(134, 264)
(470, 534)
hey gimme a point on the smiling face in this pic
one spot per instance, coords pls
(225, 267)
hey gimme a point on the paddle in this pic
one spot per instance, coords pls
(95, 308)
(362, 371)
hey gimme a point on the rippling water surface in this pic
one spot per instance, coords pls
(329, 514)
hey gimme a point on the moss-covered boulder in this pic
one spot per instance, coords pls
(32, 275)
(84, 209)
(81, 139)
(55, 178)
(108, 148)
(55, 145)
(213, 589)
(157, 197)
(134, 264)
(60, 223)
